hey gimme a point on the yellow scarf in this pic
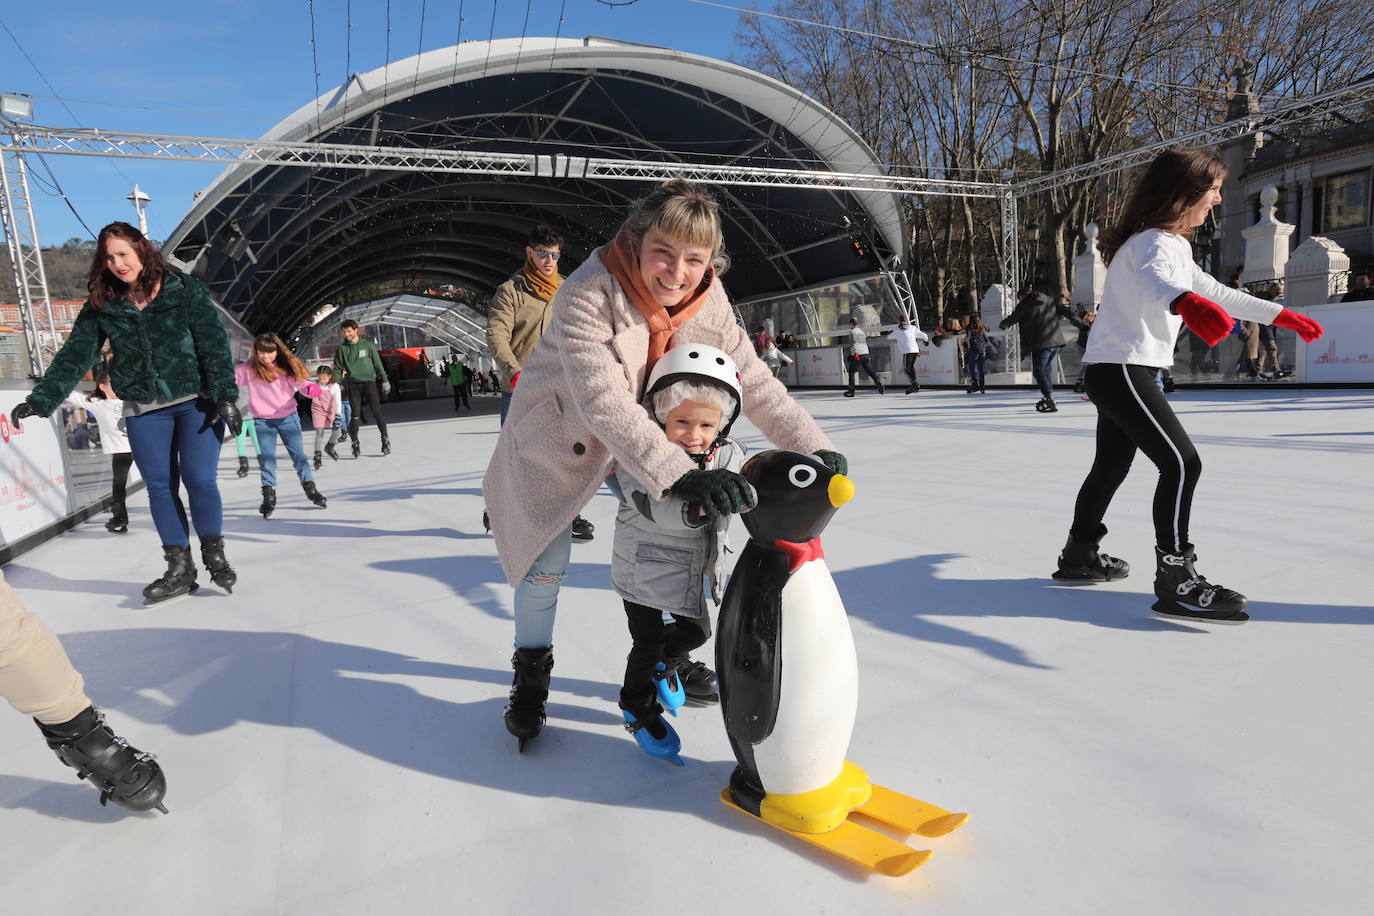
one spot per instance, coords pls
(543, 287)
(622, 261)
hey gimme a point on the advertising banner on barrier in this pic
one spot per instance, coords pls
(823, 366)
(33, 482)
(1345, 351)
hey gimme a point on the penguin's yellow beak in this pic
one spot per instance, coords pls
(841, 490)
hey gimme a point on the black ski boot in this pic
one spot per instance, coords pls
(1081, 561)
(212, 555)
(698, 681)
(1184, 594)
(269, 501)
(529, 690)
(315, 495)
(119, 519)
(317, 460)
(386, 446)
(331, 451)
(1046, 405)
(582, 529)
(124, 774)
(243, 468)
(357, 448)
(178, 581)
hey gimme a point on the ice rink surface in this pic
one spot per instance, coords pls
(332, 731)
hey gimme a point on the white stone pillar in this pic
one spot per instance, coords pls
(1315, 273)
(1089, 272)
(1266, 242)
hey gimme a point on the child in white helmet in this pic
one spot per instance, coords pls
(668, 553)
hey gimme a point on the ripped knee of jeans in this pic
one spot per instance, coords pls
(538, 578)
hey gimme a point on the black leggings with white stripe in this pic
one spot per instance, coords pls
(1133, 414)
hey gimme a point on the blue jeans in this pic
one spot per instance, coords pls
(1040, 369)
(536, 597)
(505, 405)
(289, 428)
(977, 369)
(174, 445)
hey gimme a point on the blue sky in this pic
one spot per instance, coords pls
(234, 68)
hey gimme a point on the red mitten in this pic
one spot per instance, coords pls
(1307, 329)
(513, 379)
(1204, 318)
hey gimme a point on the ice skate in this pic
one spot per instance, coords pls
(357, 448)
(179, 580)
(125, 775)
(314, 494)
(1081, 561)
(212, 555)
(243, 468)
(653, 734)
(118, 522)
(1183, 594)
(582, 529)
(1046, 405)
(386, 446)
(269, 501)
(668, 688)
(331, 451)
(698, 681)
(529, 691)
(317, 461)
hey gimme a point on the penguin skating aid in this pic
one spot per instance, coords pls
(788, 679)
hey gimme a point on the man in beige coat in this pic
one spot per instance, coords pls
(577, 411)
(516, 320)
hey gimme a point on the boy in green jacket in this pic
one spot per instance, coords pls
(360, 369)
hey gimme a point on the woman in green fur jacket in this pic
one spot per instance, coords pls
(171, 366)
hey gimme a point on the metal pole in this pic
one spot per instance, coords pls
(26, 257)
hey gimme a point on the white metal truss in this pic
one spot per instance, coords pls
(26, 260)
(1352, 96)
(1011, 270)
(96, 142)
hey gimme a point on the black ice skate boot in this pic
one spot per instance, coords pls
(881, 389)
(698, 681)
(124, 774)
(243, 468)
(315, 495)
(269, 501)
(317, 460)
(1184, 594)
(1081, 561)
(849, 392)
(212, 555)
(529, 690)
(119, 519)
(1046, 405)
(582, 530)
(386, 446)
(177, 582)
(331, 451)
(357, 448)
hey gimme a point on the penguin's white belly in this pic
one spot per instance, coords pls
(819, 691)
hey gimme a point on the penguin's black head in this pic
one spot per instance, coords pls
(797, 496)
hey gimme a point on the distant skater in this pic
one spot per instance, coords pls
(273, 376)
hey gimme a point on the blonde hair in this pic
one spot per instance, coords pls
(669, 398)
(680, 210)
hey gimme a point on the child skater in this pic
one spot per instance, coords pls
(247, 433)
(272, 376)
(665, 547)
(108, 410)
(324, 413)
(1151, 289)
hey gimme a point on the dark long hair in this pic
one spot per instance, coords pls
(105, 286)
(1173, 182)
(100, 379)
(286, 361)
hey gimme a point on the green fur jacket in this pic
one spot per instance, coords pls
(176, 346)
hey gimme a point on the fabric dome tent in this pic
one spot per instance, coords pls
(275, 241)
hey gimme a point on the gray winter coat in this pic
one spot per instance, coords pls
(662, 553)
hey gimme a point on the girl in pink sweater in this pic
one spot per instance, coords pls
(272, 378)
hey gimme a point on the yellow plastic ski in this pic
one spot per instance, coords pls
(910, 814)
(863, 847)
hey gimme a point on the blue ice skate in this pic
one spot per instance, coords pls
(669, 688)
(665, 748)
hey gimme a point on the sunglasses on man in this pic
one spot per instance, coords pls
(542, 253)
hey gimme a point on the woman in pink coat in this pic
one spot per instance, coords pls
(576, 410)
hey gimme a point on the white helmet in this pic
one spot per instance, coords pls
(702, 363)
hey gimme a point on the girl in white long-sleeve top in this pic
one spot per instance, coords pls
(108, 410)
(1152, 289)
